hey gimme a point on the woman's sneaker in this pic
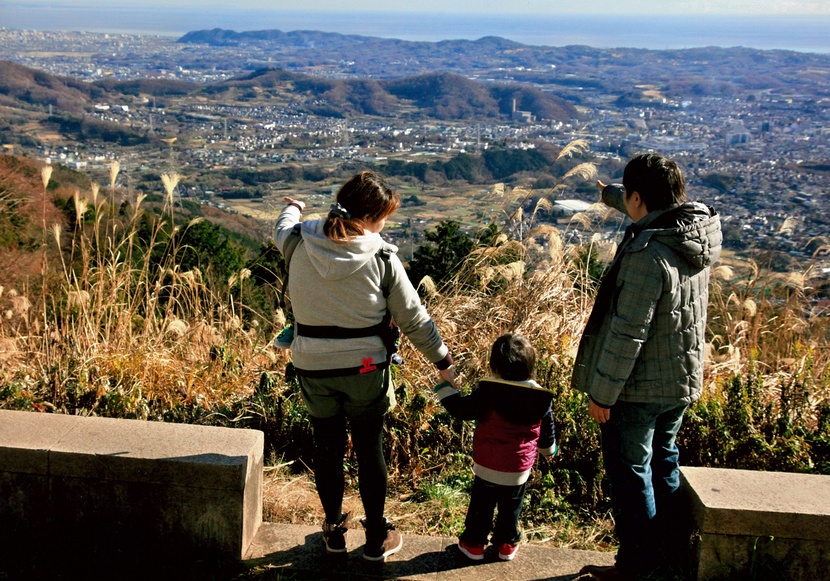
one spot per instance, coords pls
(508, 551)
(381, 541)
(334, 535)
(471, 550)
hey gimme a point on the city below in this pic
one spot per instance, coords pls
(750, 128)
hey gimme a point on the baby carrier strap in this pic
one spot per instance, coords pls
(381, 329)
(386, 275)
(332, 331)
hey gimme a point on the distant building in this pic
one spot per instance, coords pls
(571, 206)
(738, 135)
(521, 116)
(738, 138)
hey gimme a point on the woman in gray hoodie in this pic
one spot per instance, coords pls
(343, 279)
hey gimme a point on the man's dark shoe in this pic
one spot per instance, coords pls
(334, 535)
(381, 541)
(605, 573)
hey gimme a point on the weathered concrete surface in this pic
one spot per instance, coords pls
(300, 549)
(775, 518)
(128, 485)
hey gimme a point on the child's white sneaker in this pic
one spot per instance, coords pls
(508, 551)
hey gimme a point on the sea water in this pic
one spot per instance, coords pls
(798, 33)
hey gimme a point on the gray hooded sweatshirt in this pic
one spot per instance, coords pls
(340, 284)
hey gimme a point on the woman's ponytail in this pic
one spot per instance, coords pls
(364, 198)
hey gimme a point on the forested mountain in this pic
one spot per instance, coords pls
(440, 96)
(680, 73)
(22, 87)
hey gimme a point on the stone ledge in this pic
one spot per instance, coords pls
(99, 482)
(742, 516)
(125, 450)
(748, 502)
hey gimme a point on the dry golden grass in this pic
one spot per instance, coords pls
(115, 323)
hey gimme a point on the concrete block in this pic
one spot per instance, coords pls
(21, 510)
(128, 485)
(720, 556)
(745, 516)
(26, 438)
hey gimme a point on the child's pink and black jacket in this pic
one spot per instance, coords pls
(514, 422)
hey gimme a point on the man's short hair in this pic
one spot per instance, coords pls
(513, 358)
(657, 179)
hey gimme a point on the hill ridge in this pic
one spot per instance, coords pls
(445, 96)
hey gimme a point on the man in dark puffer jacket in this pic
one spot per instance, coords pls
(641, 355)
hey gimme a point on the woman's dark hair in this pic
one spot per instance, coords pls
(366, 198)
(657, 179)
(513, 358)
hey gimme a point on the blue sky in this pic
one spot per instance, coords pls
(653, 7)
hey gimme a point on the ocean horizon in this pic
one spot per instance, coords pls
(797, 33)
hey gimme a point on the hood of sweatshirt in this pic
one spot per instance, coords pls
(518, 402)
(692, 230)
(334, 261)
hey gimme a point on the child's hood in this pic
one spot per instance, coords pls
(518, 402)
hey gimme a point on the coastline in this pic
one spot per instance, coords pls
(801, 34)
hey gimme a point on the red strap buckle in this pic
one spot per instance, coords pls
(367, 365)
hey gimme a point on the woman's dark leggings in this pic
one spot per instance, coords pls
(330, 438)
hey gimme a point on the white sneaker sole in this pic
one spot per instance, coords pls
(470, 555)
(330, 550)
(385, 554)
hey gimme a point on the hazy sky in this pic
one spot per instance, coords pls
(654, 7)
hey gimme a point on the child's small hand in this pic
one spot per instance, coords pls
(549, 453)
(449, 376)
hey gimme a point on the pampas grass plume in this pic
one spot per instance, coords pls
(170, 182)
(46, 175)
(575, 147)
(586, 171)
(115, 167)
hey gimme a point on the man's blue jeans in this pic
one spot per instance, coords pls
(641, 460)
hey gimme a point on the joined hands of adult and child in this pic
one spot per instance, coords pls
(449, 376)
